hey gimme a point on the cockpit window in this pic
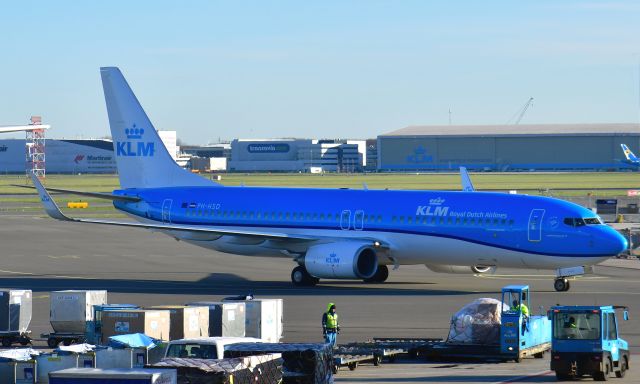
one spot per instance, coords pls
(579, 222)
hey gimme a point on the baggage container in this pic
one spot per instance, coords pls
(225, 319)
(17, 372)
(54, 362)
(108, 358)
(94, 334)
(264, 318)
(72, 311)
(15, 310)
(153, 323)
(120, 376)
(187, 322)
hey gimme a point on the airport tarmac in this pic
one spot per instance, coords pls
(140, 267)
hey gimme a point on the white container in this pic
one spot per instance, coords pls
(128, 358)
(54, 362)
(96, 375)
(17, 372)
(71, 310)
(15, 310)
(264, 318)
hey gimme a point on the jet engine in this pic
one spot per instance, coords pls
(341, 260)
(461, 269)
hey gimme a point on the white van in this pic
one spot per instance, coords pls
(204, 347)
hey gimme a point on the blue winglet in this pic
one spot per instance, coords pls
(49, 205)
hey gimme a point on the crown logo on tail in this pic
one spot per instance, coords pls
(134, 132)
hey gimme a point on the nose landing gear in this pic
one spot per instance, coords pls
(561, 284)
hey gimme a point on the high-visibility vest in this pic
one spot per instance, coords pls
(332, 320)
(521, 308)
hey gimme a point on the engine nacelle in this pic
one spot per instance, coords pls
(461, 269)
(341, 260)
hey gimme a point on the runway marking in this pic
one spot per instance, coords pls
(64, 257)
(46, 274)
(520, 378)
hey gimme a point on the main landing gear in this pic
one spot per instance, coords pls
(302, 278)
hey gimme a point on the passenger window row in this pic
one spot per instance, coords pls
(440, 220)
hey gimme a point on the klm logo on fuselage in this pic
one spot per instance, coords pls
(134, 146)
(434, 208)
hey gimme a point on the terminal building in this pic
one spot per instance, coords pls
(507, 147)
(62, 156)
(297, 155)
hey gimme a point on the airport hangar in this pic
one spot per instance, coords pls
(540, 147)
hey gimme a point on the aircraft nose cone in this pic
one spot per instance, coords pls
(617, 242)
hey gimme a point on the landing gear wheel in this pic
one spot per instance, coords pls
(302, 278)
(381, 275)
(561, 285)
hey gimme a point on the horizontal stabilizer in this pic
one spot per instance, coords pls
(99, 195)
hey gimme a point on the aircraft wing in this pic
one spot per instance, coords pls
(54, 211)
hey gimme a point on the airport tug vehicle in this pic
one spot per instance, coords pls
(585, 342)
(521, 334)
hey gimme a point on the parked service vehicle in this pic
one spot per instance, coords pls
(585, 342)
(204, 347)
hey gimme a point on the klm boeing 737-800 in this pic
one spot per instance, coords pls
(341, 233)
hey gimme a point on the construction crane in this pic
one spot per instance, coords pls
(520, 113)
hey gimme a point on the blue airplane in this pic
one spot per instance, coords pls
(630, 156)
(341, 233)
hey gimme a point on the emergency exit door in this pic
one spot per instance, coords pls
(535, 225)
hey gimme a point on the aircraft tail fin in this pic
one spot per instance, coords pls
(141, 157)
(628, 154)
(467, 185)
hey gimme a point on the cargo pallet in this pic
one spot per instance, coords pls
(353, 354)
(7, 339)
(53, 339)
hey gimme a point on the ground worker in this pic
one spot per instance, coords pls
(330, 326)
(522, 308)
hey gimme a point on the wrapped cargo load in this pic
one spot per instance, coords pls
(264, 318)
(477, 323)
(187, 321)
(120, 376)
(72, 311)
(15, 310)
(302, 363)
(243, 370)
(225, 319)
(153, 323)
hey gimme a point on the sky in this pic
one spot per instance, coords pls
(320, 69)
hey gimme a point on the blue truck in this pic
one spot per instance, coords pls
(585, 341)
(521, 334)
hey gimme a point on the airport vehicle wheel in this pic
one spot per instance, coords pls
(381, 275)
(377, 360)
(6, 342)
(300, 277)
(623, 368)
(561, 376)
(52, 343)
(24, 341)
(67, 342)
(335, 369)
(561, 285)
(602, 375)
(353, 366)
(538, 355)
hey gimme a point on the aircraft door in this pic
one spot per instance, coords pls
(345, 219)
(535, 225)
(358, 220)
(166, 210)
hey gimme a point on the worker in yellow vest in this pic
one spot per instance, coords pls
(330, 326)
